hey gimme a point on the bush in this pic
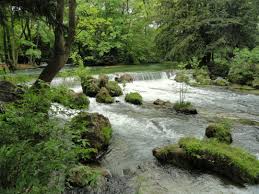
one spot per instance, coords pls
(182, 77)
(69, 98)
(35, 151)
(134, 98)
(202, 76)
(244, 66)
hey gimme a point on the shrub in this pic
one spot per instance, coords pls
(134, 98)
(202, 76)
(182, 77)
(244, 66)
(69, 98)
(35, 151)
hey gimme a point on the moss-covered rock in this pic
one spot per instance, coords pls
(220, 131)
(185, 108)
(90, 86)
(210, 155)
(114, 89)
(103, 80)
(220, 82)
(163, 104)
(104, 97)
(83, 176)
(134, 98)
(125, 78)
(69, 98)
(10, 92)
(182, 77)
(93, 132)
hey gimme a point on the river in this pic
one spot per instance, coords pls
(137, 130)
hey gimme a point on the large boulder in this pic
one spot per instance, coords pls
(125, 78)
(163, 104)
(104, 97)
(219, 131)
(134, 98)
(103, 80)
(90, 86)
(9, 92)
(210, 155)
(114, 89)
(92, 131)
(185, 108)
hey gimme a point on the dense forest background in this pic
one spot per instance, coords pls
(220, 35)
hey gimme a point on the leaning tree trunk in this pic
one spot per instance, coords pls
(62, 46)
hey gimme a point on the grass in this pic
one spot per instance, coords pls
(107, 133)
(220, 131)
(243, 89)
(236, 156)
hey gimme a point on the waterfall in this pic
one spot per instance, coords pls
(145, 76)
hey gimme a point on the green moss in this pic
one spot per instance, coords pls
(182, 77)
(185, 107)
(83, 176)
(238, 157)
(114, 89)
(69, 98)
(90, 86)
(107, 133)
(134, 98)
(220, 131)
(104, 97)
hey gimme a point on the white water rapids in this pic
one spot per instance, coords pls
(137, 130)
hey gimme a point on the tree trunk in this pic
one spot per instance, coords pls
(61, 46)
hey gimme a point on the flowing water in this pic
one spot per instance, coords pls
(137, 130)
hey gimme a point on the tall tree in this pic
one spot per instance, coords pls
(200, 28)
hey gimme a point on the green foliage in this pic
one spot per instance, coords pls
(104, 97)
(82, 176)
(238, 157)
(182, 77)
(182, 105)
(196, 29)
(134, 98)
(201, 75)
(69, 98)
(221, 131)
(114, 89)
(35, 151)
(244, 66)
